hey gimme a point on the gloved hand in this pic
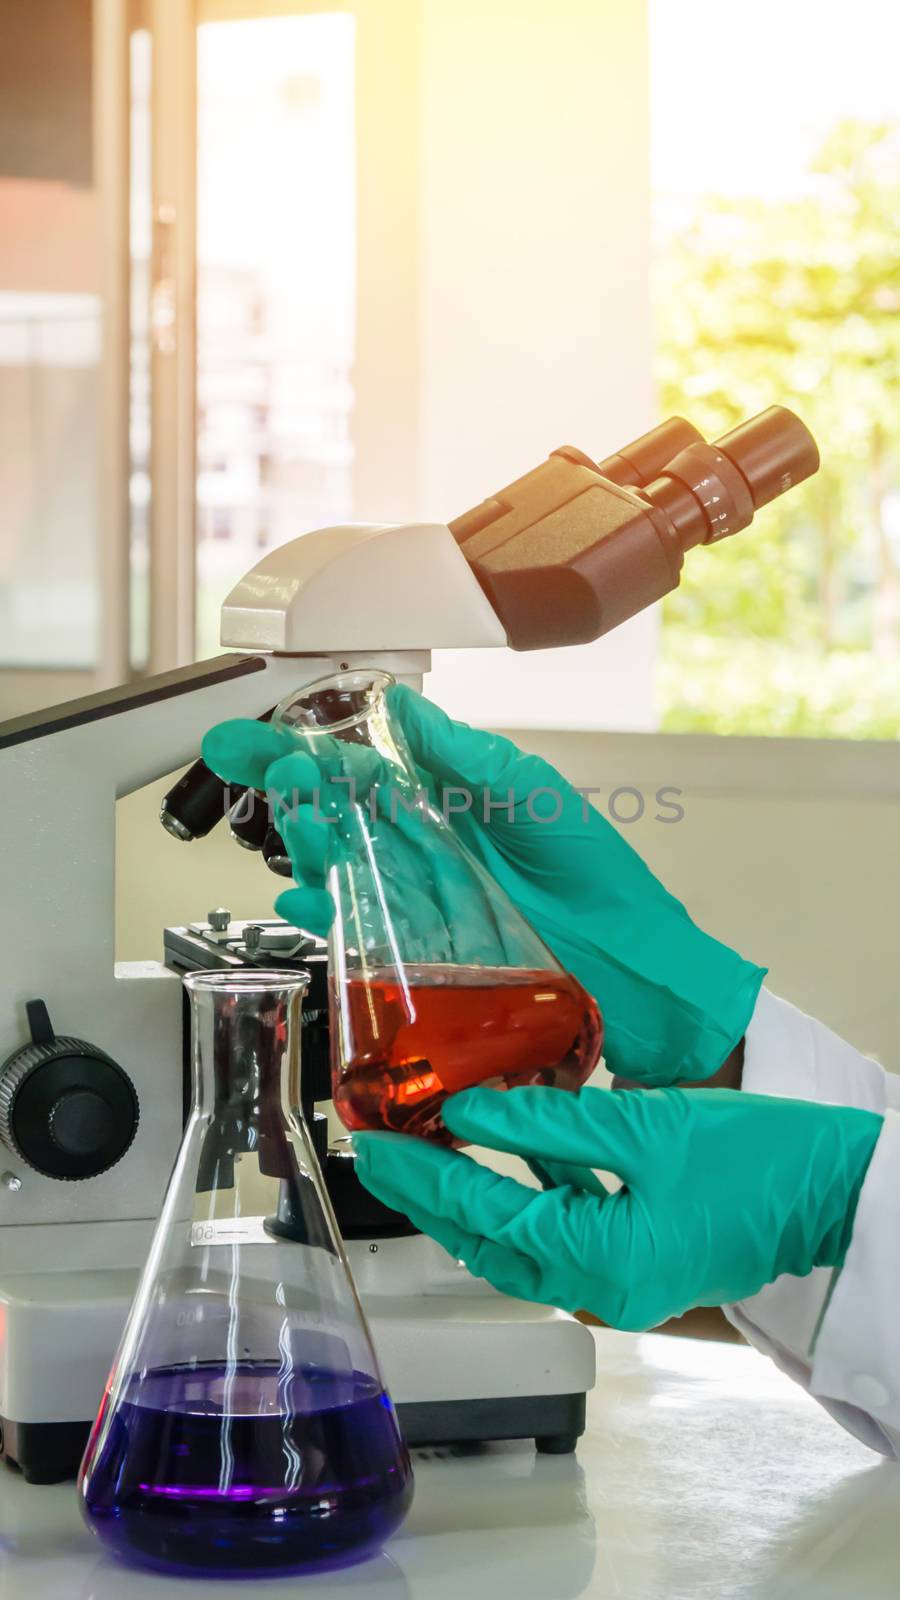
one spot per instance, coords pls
(675, 1001)
(722, 1192)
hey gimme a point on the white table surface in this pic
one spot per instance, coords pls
(703, 1473)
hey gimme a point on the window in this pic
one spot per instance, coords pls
(50, 336)
(276, 291)
(776, 197)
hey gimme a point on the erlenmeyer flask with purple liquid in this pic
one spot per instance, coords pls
(245, 1427)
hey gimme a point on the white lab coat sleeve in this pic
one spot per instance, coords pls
(836, 1334)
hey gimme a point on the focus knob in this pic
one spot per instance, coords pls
(66, 1108)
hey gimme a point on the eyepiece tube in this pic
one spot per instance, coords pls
(638, 463)
(772, 452)
(709, 491)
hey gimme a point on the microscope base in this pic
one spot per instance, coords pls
(462, 1363)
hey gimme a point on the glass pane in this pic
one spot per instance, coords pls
(49, 340)
(141, 232)
(276, 290)
(776, 200)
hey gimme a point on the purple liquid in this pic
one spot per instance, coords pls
(210, 1469)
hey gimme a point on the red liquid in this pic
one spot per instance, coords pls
(454, 1027)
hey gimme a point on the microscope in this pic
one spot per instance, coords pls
(93, 1051)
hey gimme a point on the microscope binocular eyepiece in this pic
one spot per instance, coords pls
(575, 547)
(772, 452)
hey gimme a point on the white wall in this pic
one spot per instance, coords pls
(534, 298)
(789, 849)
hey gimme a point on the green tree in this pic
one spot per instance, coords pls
(798, 303)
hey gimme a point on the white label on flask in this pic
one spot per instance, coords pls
(232, 1230)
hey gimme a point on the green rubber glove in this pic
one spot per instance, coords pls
(722, 1193)
(675, 1001)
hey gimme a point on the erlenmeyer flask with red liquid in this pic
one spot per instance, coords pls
(437, 982)
(246, 1427)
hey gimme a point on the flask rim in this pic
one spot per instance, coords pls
(247, 980)
(353, 680)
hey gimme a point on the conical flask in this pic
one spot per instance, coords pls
(245, 1427)
(437, 982)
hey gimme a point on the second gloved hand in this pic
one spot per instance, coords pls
(722, 1193)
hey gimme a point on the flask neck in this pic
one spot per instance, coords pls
(245, 1045)
(350, 708)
